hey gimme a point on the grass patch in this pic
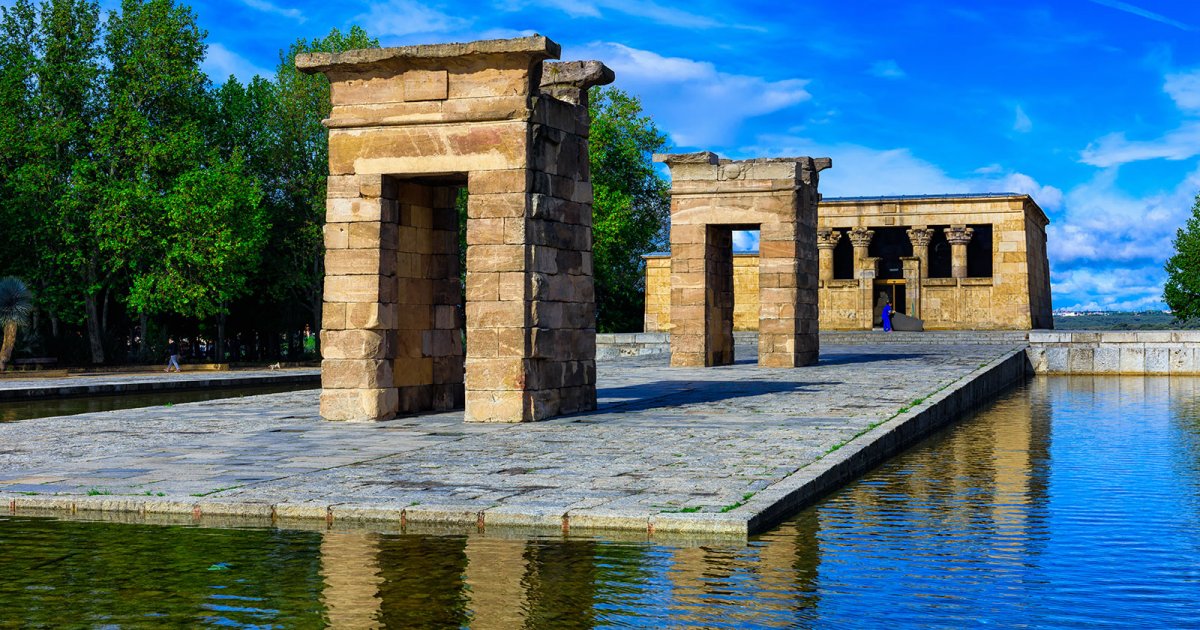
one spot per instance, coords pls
(98, 492)
(737, 504)
(29, 494)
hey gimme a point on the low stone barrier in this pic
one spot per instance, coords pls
(1151, 352)
(613, 345)
(950, 404)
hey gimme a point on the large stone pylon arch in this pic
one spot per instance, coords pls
(411, 127)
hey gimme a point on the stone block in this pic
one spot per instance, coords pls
(1182, 360)
(355, 344)
(495, 258)
(410, 371)
(1056, 360)
(355, 373)
(1080, 360)
(1133, 359)
(497, 206)
(374, 289)
(504, 314)
(495, 406)
(347, 262)
(358, 405)
(1107, 359)
(1158, 359)
(503, 181)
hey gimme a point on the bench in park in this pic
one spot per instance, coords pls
(34, 363)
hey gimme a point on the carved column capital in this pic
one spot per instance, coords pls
(920, 236)
(828, 239)
(959, 234)
(861, 236)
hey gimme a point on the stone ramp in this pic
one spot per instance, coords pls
(716, 451)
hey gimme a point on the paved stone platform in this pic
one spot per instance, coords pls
(33, 386)
(727, 449)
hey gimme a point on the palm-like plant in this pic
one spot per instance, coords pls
(16, 305)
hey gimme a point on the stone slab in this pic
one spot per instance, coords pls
(712, 451)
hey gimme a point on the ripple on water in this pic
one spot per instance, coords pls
(1070, 503)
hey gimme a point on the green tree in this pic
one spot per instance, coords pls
(66, 107)
(1182, 289)
(18, 80)
(631, 205)
(301, 166)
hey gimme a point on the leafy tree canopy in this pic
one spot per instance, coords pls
(631, 204)
(1182, 289)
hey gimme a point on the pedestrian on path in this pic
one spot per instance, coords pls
(173, 350)
(888, 311)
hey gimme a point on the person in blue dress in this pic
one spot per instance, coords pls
(887, 313)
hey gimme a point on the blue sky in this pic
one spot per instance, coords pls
(1091, 106)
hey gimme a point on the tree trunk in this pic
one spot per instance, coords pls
(95, 333)
(53, 326)
(220, 358)
(10, 339)
(143, 323)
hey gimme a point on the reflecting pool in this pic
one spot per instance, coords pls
(27, 409)
(1072, 501)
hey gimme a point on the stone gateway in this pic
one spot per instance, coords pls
(710, 198)
(410, 128)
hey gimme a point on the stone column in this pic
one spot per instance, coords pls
(913, 273)
(918, 270)
(959, 236)
(864, 272)
(920, 236)
(827, 241)
(860, 237)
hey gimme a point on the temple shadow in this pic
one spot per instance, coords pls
(659, 394)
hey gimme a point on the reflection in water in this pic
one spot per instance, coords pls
(28, 409)
(1072, 502)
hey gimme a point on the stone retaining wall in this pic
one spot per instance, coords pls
(1115, 352)
(612, 345)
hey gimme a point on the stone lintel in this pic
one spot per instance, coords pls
(364, 59)
(699, 157)
(569, 80)
(706, 165)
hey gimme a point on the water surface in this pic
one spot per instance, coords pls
(28, 409)
(1073, 501)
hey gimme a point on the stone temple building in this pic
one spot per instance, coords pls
(970, 262)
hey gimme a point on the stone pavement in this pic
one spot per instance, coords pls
(33, 386)
(680, 447)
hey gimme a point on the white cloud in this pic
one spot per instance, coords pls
(1180, 143)
(1140, 12)
(1022, 124)
(745, 241)
(222, 62)
(1115, 149)
(888, 69)
(697, 104)
(397, 18)
(1119, 289)
(1184, 89)
(270, 7)
(1103, 223)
